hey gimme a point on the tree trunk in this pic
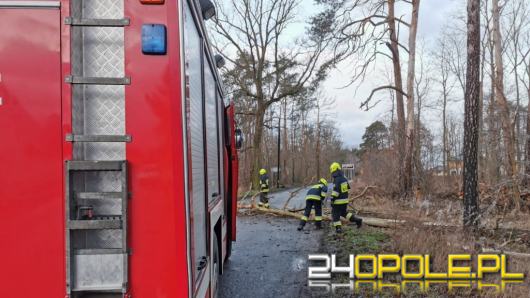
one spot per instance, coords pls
(517, 114)
(507, 127)
(410, 98)
(317, 153)
(445, 136)
(398, 81)
(286, 150)
(416, 157)
(471, 119)
(483, 148)
(527, 136)
(444, 73)
(493, 132)
(256, 146)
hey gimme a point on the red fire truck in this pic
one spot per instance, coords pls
(118, 162)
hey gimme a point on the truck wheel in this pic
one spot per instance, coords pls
(215, 268)
(228, 250)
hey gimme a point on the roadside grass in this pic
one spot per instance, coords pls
(356, 241)
(367, 240)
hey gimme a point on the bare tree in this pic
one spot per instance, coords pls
(422, 86)
(442, 56)
(471, 121)
(504, 109)
(263, 69)
(526, 62)
(518, 19)
(493, 134)
(360, 27)
(322, 107)
(410, 97)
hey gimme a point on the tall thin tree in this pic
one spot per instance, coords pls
(409, 156)
(471, 120)
(504, 108)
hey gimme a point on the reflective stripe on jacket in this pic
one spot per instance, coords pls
(264, 183)
(317, 192)
(341, 187)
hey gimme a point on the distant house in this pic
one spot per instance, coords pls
(454, 168)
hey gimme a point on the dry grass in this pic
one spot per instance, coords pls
(503, 231)
(440, 242)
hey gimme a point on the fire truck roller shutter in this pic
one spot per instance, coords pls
(212, 132)
(194, 69)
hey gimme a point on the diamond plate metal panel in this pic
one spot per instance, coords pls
(98, 110)
(103, 52)
(104, 106)
(96, 272)
(103, 9)
(98, 52)
(91, 239)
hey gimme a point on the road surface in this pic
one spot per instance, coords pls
(269, 258)
(278, 199)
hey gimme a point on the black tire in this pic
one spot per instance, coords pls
(216, 266)
(228, 250)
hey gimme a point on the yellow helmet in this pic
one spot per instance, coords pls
(334, 167)
(323, 181)
(262, 172)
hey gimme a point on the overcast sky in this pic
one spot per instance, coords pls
(351, 120)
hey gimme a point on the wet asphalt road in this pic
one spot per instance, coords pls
(269, 258)
(278, 199)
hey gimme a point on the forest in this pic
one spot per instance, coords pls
(442, 165)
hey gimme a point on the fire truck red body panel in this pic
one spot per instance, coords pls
(35, 119)
(157, 235)
(31, 191)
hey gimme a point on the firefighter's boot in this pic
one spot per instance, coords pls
(318, 225)
(358, 222)
(301, 225)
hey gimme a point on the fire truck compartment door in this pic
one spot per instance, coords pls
(31, 175)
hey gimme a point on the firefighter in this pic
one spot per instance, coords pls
(339, 199)
(264, 188)
(316, 195)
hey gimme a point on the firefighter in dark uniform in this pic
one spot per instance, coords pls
(264, 188)
(339, 198)
(316, 195)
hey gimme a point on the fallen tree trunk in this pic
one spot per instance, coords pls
(374, 222)
(368, 220)
(508, 253)
(384, 223)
